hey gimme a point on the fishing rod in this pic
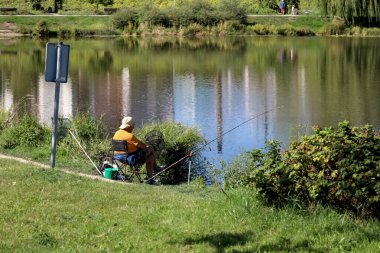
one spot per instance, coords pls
(84, 151)
(209, 142)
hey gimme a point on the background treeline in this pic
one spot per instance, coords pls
(88, 6)
(354, 12)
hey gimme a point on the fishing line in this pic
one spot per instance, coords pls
(84, 151)
(209, 142)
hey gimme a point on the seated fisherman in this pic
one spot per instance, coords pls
(137, 151)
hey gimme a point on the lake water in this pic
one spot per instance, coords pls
(213, 84)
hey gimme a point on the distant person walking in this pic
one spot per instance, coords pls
(283, 7)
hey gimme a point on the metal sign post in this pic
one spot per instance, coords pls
(56, 69)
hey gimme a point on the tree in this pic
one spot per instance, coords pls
(103, 2)
(353, 11)
(36, 4)
(57, 5)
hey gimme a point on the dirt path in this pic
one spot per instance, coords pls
(41, 165)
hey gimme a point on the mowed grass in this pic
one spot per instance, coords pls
(315, 23)
(56, 22)
(45, 210)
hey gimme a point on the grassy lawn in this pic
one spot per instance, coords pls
(67, 22)
(315, 23)
(44, 210)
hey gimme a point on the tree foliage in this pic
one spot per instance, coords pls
(103, 2)
(353, 11)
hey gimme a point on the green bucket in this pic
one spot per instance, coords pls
(110, 172)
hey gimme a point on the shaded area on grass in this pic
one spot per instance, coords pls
(221, 241)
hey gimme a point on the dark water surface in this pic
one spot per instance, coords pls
(213, 84)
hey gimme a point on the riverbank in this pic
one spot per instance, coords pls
(92, 25)
(26, 25)
(45, 210)
(103, 25)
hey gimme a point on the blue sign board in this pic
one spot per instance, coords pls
(53, 52)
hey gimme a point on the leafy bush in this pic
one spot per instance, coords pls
(355, 31)
(374, 31)
(256, 169)
(304, 31)
(88, 32)
(3, 119)
(41, 29)
(286, 30)
(230, 27)
(91, 133)
(125, 17)
(25, 132)
(340, 168)
(202, 12)
(271, 4)
(336, 27)
(233, 10)
(194, 30)
(179, 141)
(24, 30)
(156, 17)
(179, 16)
(195, 12)
(63, 32)
(260, 29)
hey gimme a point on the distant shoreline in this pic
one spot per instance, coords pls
(102, 25)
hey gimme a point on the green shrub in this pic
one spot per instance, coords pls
(179, 141)
(194, 30)
(237, 173)
(3, 119)
(233, 10)
(230, 27)
(260, 29)
(91, 133)
(25, 132)
(24, 30)
(304, 31)
(63, 32)
(87, 127)
(286, 30)
(41, 29)
(271, 4)
(374, 31)
(262, 169)
(336, 27)
(125, 17)
(128, 29)
(179, 16)
(336, 167)
(355, 31)
(78, 33)
(81, 33)
(156, 17)
(204, 13)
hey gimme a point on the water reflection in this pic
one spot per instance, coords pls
(214, 84)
